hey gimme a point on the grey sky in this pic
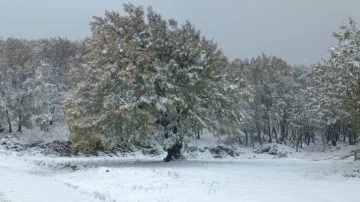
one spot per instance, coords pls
(299, 31)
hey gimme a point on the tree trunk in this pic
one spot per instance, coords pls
(258, 130)
(283, 125)
(323, 139)
(275, 133)
(252, 140)
(344, 132)
(298, 139)
(246, 138)
(287, 130)
(19, 126)
(268, 125)
(313, 137)
(332, 134)
(350, 137)
(307, 137)
(9, 122)
(174, 152)
(198, 130)
(19, 129)
(307, 133)
(269, 132)
(292, 135)
(52, 112)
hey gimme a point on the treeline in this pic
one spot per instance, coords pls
(34, 76)
(140, 75)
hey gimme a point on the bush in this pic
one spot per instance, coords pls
(90, 144)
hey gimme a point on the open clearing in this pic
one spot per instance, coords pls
(38, 178)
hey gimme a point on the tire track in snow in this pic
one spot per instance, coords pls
(23, 186)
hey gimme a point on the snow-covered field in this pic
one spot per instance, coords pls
(27, 176)
(309, 175)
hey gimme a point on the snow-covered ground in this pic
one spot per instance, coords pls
(28, 176)
(308, 175)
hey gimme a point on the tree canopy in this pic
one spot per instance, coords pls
(147, 75)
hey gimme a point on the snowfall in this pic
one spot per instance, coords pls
(308, 175)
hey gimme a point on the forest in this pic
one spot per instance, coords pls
(140, 77)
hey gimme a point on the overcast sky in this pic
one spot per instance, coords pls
(299, 31)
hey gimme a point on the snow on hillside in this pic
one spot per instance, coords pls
(308, 175)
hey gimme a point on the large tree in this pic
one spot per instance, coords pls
(147, 75)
